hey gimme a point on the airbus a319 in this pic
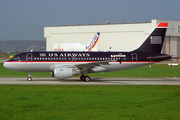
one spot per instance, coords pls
(63, 64)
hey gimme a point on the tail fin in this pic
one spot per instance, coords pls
(154, 41)
(93, 42)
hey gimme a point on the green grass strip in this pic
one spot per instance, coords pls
(89, 102)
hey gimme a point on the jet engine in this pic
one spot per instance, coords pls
(62, 73)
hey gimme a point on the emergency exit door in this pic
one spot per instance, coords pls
(134, 58)
(29, 58)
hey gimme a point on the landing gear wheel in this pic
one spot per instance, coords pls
(87, 79)
(29, 78)
(83, 77)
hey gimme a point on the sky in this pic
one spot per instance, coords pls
(26, 19)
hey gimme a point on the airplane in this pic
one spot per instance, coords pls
(64, 64)
(77, 46)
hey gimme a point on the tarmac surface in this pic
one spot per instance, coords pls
(94, 81)
(2, 61)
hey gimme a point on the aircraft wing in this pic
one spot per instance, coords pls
(93, 64)
(82, 66)
(86, 66)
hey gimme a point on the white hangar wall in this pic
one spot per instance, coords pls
(122, 37)
(172, 40)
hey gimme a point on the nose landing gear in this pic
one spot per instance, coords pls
(29, 77)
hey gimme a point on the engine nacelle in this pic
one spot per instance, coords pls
(62, 73)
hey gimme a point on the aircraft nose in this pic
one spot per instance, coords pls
(7, 65)
(11, 66)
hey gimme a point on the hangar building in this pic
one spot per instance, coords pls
(122, 37)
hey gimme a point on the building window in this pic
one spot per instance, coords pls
(179, 29)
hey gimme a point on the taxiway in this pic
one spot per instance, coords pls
(94, 81)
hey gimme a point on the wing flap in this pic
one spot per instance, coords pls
(86, 66)
(82, 66)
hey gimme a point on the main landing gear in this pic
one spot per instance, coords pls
(85, 78)
(29, 77)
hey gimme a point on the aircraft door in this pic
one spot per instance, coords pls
(29, 57)
(134, 58)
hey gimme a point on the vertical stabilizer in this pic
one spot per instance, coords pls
(93, 42)
(154, 42)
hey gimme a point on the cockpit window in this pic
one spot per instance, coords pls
(16, 58)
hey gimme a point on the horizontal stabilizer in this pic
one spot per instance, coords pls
(159, 57)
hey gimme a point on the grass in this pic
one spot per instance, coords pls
(92, 102)
(89, 102)
(157, 70)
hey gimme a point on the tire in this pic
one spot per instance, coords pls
(83, 77)
(87, 79)
(29, 78)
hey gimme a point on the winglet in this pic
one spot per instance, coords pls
(162, 25)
